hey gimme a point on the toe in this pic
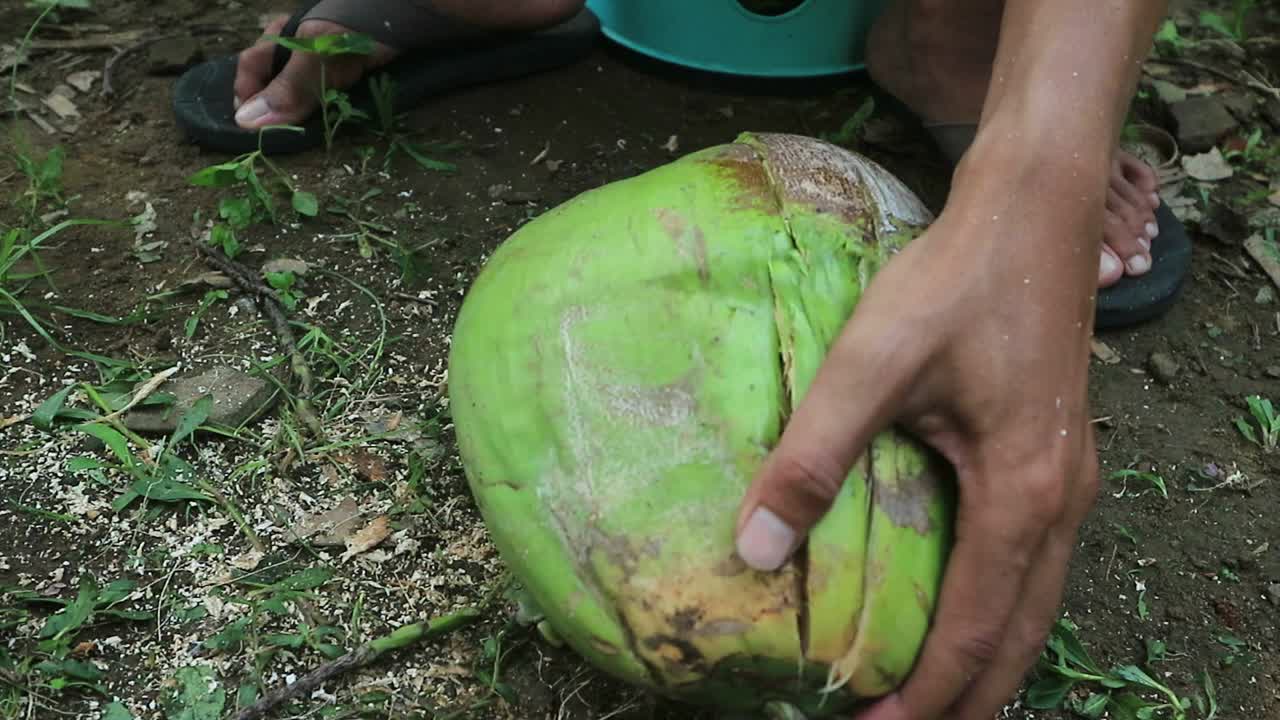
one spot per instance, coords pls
(1132, 249)
(1140, 176)
(253, 67)
(1110, 268)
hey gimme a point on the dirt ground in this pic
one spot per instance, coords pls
(1183, 581)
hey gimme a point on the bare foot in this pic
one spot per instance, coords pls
(937, 61)
(288, 98)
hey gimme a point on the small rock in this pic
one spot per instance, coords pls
(1201, 122)
(173, 55)
(236, 398)
(1240, 103)
(1163, 367)
(1273, 593)
(1273, 371)
(1175, 612)
(1272, 111)
(1168, 92)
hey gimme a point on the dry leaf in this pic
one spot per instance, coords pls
(365, 464)
(1103, 352)
(247, 560)
(1208, 166)
(1266, 253)
(289, 265)
(84, 79)
(61, 106)
(212, 278)
(369, 537)
(330, 528)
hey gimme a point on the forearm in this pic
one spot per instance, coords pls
(1065, 72)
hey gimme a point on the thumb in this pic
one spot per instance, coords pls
(288, 98)
(855, 394)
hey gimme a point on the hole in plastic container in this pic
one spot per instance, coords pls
(771, 8)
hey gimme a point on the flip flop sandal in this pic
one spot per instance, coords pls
(1131, 300)
(203, 96)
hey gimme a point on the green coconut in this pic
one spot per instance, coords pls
(619, 371)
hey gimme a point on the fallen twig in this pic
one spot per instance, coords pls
(1249, 82)
(248, 283)
(365, 654)
(143, 393)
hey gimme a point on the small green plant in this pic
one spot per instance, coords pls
(1267, 433)
(1156, 481)
(1231, 25)
(848, 132)
(1120, 691)
(283, 283)
(335, 105)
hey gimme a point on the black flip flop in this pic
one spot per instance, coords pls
(202, 98)
(1131, 300)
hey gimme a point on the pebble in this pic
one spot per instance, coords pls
(237, 396)
(1273, 371)
(1163, 367)
(1273, 593)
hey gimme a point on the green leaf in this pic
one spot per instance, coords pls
(292, 640)
(228, 637)
(1093, 706)
(114, 441)
(1137, 676)
(427, 163)
(221, 175)
(305, 203)
(280, 280)
(308, 579)
(44, 415)
(237, 211)
(1127, 706)
(192, 419)
(1049, 693)
(167, 490)
(332, 44)
(74, 614)
(199, 696)
(1214, 21)
(116, 591)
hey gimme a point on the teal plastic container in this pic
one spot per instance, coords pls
(763, 38)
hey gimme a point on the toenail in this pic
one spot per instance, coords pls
(1139, 264)
(1152, 230)
(1144, 243)
(1108, 264)
(1155, 200)
(252, 110)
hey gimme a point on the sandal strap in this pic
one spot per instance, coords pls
(400, 24)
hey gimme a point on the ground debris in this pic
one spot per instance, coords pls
(1201, 122)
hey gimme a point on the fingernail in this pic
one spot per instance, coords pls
(1145, 243)
(1152, 230)
(252, 110)
(1139, 264)
(1108, 265)
(1155, 200)
(765, 541)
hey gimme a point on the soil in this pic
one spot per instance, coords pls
(1206, 557)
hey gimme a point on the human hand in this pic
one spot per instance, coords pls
(975, 339)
